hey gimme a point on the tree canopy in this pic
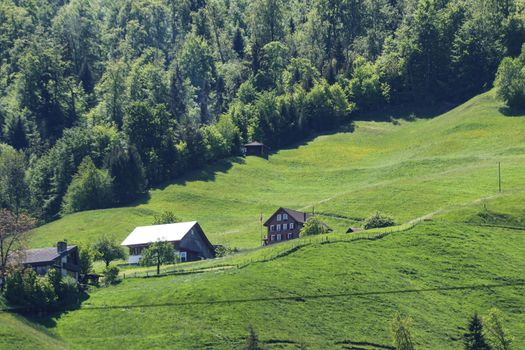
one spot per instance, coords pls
(159, 88)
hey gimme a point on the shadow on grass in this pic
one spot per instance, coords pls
(512, 112)
(407, 111)
(206, 173)
(358, 345)
(48, 318)
(304, 298)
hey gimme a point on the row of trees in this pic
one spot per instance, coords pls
(150, 89)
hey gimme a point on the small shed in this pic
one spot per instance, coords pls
(255, 148)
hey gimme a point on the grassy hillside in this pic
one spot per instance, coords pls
(335, 294)
(322, 295)
(17, 333)
(407, 170)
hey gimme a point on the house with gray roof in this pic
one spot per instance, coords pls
(62, 257)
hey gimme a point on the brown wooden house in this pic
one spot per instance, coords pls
(255, 149)
(284, 224)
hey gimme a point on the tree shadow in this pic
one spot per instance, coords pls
(346, 128)
(408, 111)
(358, 345)
(512, 112)
(207, 173)
(48, 319)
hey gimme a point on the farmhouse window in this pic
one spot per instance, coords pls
(183, 256)
(291, 225)
(272, 238)
(285, 227)
(289, 236)
(279, 237)
(272, 228)
(285, 216)
(278, 227)
(279, 217)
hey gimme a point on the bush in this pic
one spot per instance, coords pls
(166, 217)
(26, 289)
(379, 220)
(222, 251)
(510, 82)
(313, 226)
(111, 276)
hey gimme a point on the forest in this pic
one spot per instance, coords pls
(101, 100)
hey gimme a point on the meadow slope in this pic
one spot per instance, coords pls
(406, 170)
(468, 256)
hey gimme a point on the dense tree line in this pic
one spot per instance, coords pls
(134, 93)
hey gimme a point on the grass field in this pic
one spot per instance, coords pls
(406, 170)
(468, 255)
(321, 295)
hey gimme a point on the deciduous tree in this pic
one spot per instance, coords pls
(107, 250)
(158, 253)
(13, 229)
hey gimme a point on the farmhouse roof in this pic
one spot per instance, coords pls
(43, 255)
(298, 216)
(149, 234)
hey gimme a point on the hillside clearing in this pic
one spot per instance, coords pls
(406, 170)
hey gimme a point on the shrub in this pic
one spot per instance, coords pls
(510, 82)
(26, 289)
(69, 291)
(166, 217)
(313, 226)
(111, 276)
(378, 220)
(221, 251)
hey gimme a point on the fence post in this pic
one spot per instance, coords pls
(124, 276)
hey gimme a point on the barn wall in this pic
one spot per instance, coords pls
(194, 242)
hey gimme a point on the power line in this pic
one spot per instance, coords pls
(298, 298)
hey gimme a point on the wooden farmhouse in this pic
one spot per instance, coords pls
(285, 224)
(255, 149)
(62, 257)
(188, 239)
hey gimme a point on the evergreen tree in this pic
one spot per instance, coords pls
(252, 340)
(238, 43)
(126, 169)
(474, 338)
(401, 333)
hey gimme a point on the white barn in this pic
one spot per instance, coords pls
(188, 239)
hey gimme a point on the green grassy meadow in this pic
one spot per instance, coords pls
(329, 292)
(407, 170)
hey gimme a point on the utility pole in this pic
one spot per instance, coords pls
(499, 176)
(261, 224)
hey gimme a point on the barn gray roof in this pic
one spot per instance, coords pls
(43, 255)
